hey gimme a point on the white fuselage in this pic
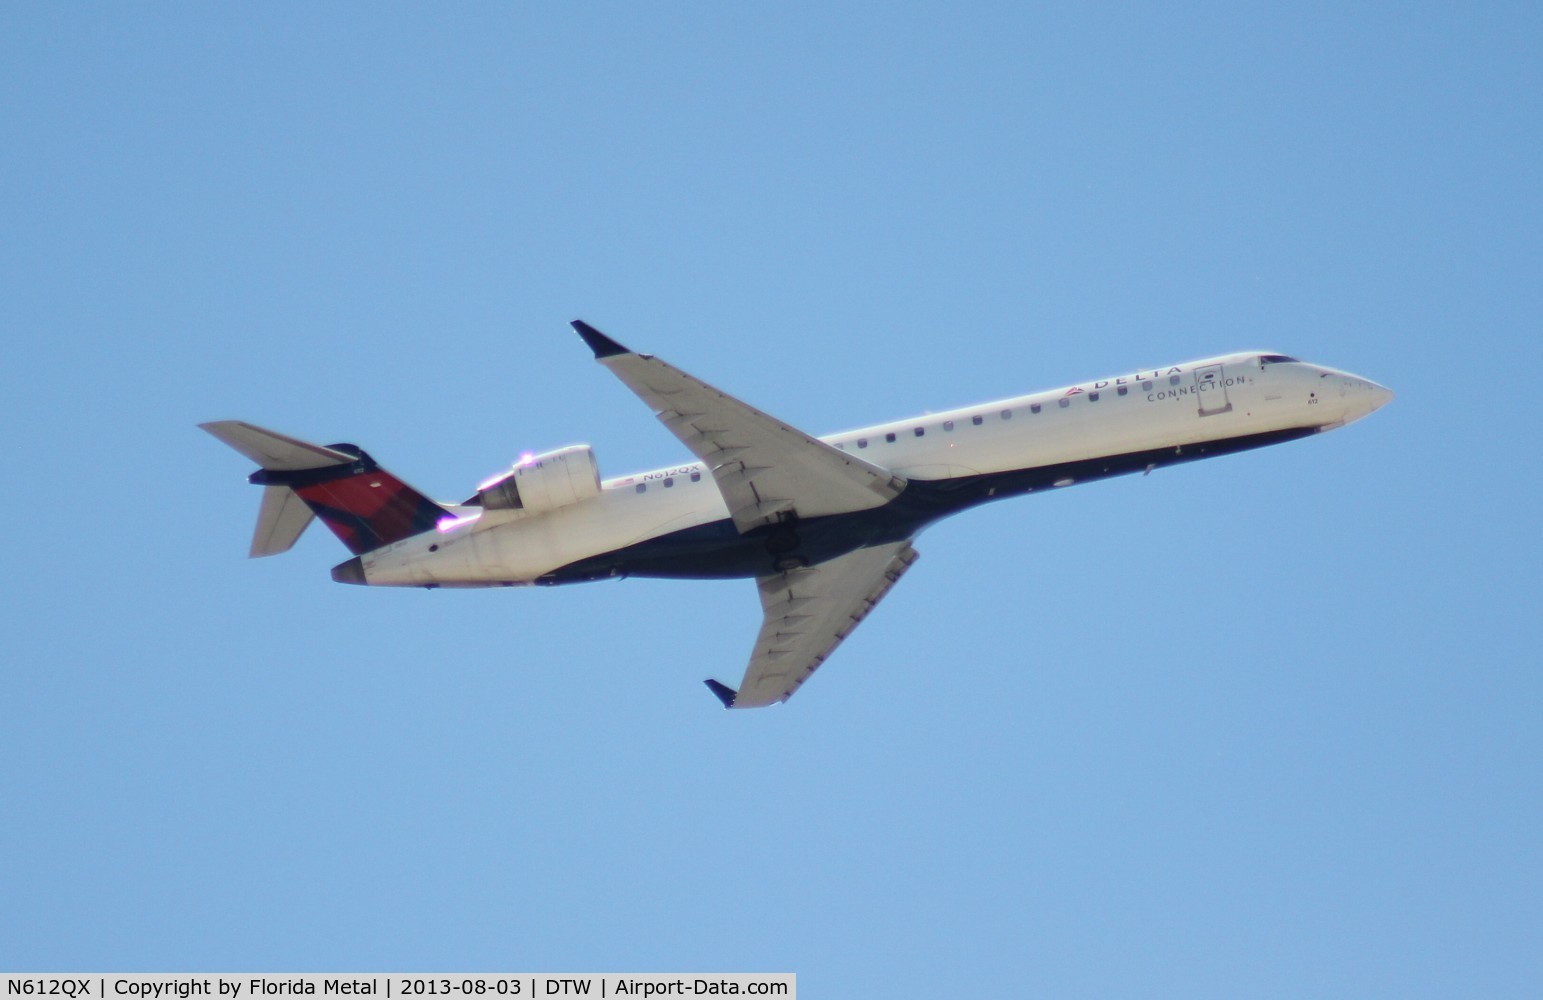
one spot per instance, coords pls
(1217, 399)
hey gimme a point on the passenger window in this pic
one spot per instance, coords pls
(1034, 407)
(1092, 397)
(862, 442)
(640, 487)
(669, 481)
(1173, 380)
(977, 420)
(1007, 414)
(1146, 387)
(1063, 402)
(890, 438)
(920, 431)
(1122, 390)
(696, 477)
(948, 425)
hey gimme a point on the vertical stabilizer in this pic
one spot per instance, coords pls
(363, 504)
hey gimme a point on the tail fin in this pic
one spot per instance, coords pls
(363, 504)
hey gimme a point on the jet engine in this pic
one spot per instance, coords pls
(543, 482)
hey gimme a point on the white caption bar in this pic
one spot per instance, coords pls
(397, 985)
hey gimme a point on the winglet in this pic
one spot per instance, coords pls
(723, 692)
(603, 346)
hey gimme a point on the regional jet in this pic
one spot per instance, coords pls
(823, 525)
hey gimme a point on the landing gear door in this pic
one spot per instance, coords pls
(1211, 390)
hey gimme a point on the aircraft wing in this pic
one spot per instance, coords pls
(763, 467)
(808, 613)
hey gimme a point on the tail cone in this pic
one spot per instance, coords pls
(349, 572)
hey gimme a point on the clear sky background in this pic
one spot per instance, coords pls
(1262, 726)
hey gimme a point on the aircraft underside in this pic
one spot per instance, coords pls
(717, 551)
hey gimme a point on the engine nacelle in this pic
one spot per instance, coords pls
(545, 482)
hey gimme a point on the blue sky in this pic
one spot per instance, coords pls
(1266, 725)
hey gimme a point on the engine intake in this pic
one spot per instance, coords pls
(544, 482)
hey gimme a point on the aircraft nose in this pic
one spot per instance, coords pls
(1362, 396)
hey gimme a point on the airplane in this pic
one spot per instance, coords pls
(823, 525)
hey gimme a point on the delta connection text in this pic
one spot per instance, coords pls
(172, 986)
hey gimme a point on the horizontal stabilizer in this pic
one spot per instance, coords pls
(281, 520)
(272, 450)
(363, 504)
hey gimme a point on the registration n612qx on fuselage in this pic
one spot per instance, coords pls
(823, 525)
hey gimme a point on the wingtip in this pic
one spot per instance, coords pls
(603, 346)
(722, 692)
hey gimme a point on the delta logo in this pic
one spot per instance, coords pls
(1103, 383)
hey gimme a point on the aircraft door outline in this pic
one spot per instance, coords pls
(1211, 390)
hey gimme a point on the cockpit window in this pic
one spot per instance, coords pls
(1276, 359)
